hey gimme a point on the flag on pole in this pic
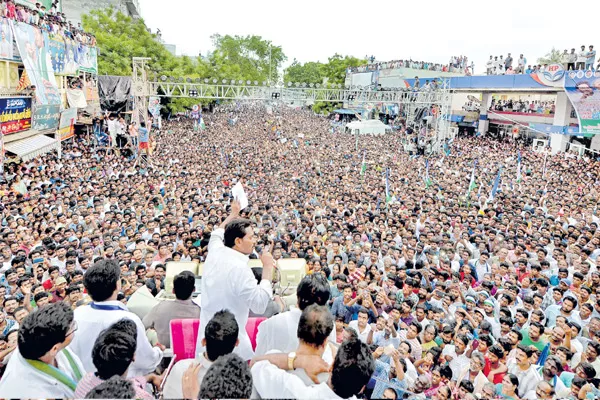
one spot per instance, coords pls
(363, 168)
(472, 184)
(544, 168)
(496, 185)
(519, 168)
(427, 178)
(388, 197)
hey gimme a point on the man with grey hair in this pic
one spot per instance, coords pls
(474, 372)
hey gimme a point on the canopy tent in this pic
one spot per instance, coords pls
(373, 126)
(348, 111)
(32, 147)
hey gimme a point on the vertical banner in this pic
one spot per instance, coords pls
(46, 117)
(154, 107)
(583, 89)
(31, 42)
(8, 48)
(15, 114)
(66, 127)
(1, 155)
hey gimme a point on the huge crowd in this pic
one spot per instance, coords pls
(474, 278)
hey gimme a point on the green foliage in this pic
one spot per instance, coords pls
(245, 58)
(120, 38)
(553, 57)
(334, 71)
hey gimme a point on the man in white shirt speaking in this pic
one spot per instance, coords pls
(228, 282)
(280, 331)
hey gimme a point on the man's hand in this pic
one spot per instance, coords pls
(312, 365)
(268, 264)
(235, 208)
(189, 382)
(155, 380)
(378, 352)
(160, 346)
(234, 213)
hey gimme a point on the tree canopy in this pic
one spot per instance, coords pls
(553, 57)
(334, 71)
(251, 57)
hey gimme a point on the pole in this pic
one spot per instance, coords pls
(270, 63)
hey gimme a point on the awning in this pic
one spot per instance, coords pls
(349, 112)
(32, 147)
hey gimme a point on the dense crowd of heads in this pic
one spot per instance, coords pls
(463, 275)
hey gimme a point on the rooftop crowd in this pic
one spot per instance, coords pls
(582, 60)
(436, 292)
(457, 64)
(52, 21)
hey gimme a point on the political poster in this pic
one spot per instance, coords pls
(8, 47)
(66, 126)
(154, 106)
(583, 89)
(46, 117)
(15, 114)
(31, 42)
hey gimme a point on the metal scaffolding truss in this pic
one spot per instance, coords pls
(435, 104)
(429, 111)
(279, 92)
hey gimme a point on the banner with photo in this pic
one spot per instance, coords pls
(8, 47)
(15, 114)
(46, 117)
(69, 56)
(66, 127)
(31, 42)
(154, 106)
(583, 89)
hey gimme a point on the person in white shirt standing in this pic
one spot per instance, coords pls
(280, 331)
(361, 325)
(43, 366)
(581, 59)
(228, 282)
(353, 367)
(103, 284)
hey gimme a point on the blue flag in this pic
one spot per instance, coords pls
(496, 184)
(388, 198)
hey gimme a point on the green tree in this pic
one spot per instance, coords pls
(245, 58)
(334, 72)
(310, 72)
(553, 57)
(120, 38)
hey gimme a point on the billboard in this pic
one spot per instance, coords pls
(66, 127)
(583, 89)
(32, 44)
(15, 114)
(69, 57)
(46, 117)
